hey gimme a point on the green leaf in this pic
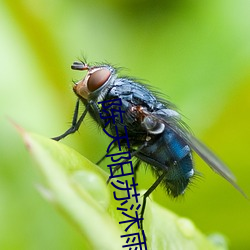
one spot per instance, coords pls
(78, 189)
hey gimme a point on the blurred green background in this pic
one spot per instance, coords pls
(196, 52)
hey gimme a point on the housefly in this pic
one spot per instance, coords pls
(156, 133)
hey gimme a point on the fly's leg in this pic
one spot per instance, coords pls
(112, 148)
(148, 192)
(75, 123)
(114, 171)
(97, 163)
(136, 165)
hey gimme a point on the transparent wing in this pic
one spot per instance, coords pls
(208, 156)
(175, 124)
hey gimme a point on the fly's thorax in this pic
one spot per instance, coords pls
(94, 85)
(154, 122)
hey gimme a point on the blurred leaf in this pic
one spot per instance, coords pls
(78, 188)
(67, 174)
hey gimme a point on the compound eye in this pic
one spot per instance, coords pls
(97, 79)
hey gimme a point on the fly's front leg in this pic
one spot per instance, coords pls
(75, 123)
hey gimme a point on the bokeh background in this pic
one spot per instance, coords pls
(196, 52)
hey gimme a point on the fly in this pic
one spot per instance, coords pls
(156, 133)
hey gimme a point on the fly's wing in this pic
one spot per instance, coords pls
(212, 160)
(175, 124)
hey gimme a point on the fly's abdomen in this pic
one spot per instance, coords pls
(178, 176)
(180, 165)
(170, 155)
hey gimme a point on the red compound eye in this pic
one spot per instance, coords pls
(97, 79)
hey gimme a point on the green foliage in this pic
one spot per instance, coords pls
(77, 188)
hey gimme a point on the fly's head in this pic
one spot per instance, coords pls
(93, 84)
